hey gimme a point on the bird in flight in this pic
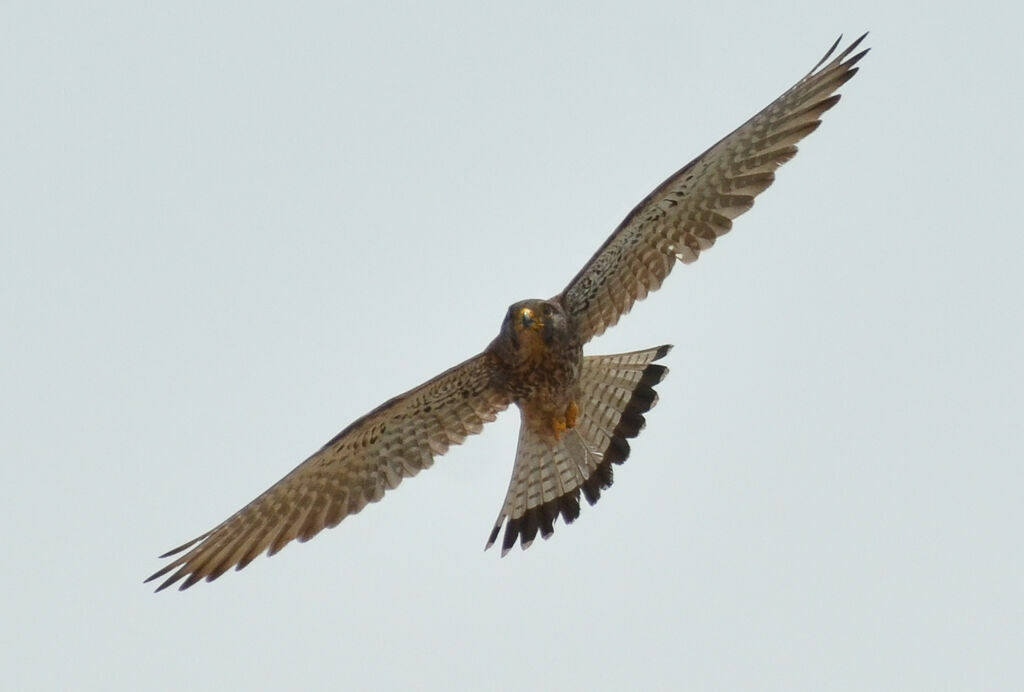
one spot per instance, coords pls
(577, 412)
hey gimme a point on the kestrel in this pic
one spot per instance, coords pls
(577, 412)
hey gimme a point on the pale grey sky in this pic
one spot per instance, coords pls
(214, 214)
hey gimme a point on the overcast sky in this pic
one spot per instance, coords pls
(228, 230)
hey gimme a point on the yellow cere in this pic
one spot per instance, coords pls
(528, 314)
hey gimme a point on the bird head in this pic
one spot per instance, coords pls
(532, 325)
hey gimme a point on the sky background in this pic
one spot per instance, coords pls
(225, 228)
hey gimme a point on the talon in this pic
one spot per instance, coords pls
(566, 422)
(559, 427)
(570, 415)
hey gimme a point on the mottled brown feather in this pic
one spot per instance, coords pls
(680, 219)
(355, 468)
(684, 215)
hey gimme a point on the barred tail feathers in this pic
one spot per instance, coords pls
(615, 393)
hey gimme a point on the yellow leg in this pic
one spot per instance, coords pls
(559, 428)
(570, 415)
(566, 422)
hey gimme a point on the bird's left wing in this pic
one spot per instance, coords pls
(372, 455)
(687, 212)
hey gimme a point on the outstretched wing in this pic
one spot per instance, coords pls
(696, 205)
(372, 455)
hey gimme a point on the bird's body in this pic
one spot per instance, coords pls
(577, 412)
(540, 357)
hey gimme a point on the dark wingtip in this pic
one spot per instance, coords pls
(170, 581)
(860, 39)
(844, 57)
(494, 535)
(193, 579)
(512, 529)
(159, 573)
(846, 51)
(184, 546)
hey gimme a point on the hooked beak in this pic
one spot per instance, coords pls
(528, 320)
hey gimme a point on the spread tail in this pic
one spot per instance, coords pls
(616, 392)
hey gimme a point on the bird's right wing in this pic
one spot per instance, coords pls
(687, 212)
(372, 455)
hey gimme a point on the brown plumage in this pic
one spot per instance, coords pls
(577, 412)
